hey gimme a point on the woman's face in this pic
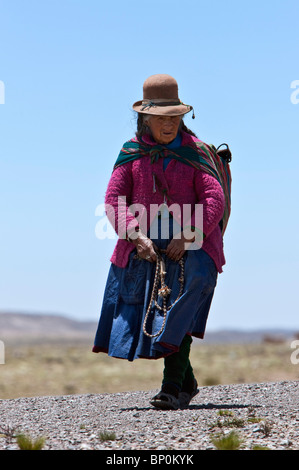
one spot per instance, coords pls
(164, 129)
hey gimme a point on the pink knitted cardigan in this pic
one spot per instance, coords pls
(184, 184)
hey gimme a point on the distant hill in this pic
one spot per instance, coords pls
(250, 336)
(26, 327)
(32, 326)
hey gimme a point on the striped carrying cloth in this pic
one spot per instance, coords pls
(197, 154)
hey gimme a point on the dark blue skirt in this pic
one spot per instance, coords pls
(127, 296)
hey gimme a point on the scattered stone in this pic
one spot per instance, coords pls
(268, 413)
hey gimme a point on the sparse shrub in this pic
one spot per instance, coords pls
(230, 442)
(272, 339)
(70, 389)
(265, 427)
(258, 447)
(8, 432)
(25, 442)
(107, 436)
(229, 420)
(236, 422)
(209, 381)
(225, 413)
(254, 419)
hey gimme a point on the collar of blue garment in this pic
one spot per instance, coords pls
(177, 142)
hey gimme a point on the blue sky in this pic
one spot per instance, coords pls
(72, 70)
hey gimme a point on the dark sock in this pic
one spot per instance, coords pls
(189, 380)
(177, 364)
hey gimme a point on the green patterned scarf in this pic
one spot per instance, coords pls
(196, 154)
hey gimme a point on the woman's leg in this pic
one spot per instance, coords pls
(177, 378)
(177, 368)
(188, 383)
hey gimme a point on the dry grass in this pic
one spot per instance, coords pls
(61, 369)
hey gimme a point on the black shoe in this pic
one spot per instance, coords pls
(167, 398)
(186, 394)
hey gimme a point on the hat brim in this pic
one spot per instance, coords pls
(156, 110)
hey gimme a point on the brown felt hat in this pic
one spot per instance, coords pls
(161, 97)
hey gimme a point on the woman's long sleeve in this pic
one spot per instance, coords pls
(210, 203)
(118, 200)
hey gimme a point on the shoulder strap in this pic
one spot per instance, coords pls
(224, 154)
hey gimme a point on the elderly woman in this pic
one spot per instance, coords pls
(168, 199)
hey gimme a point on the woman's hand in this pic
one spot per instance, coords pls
(177, 247)
(145, 248)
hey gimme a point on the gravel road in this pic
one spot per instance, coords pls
(262, 414)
